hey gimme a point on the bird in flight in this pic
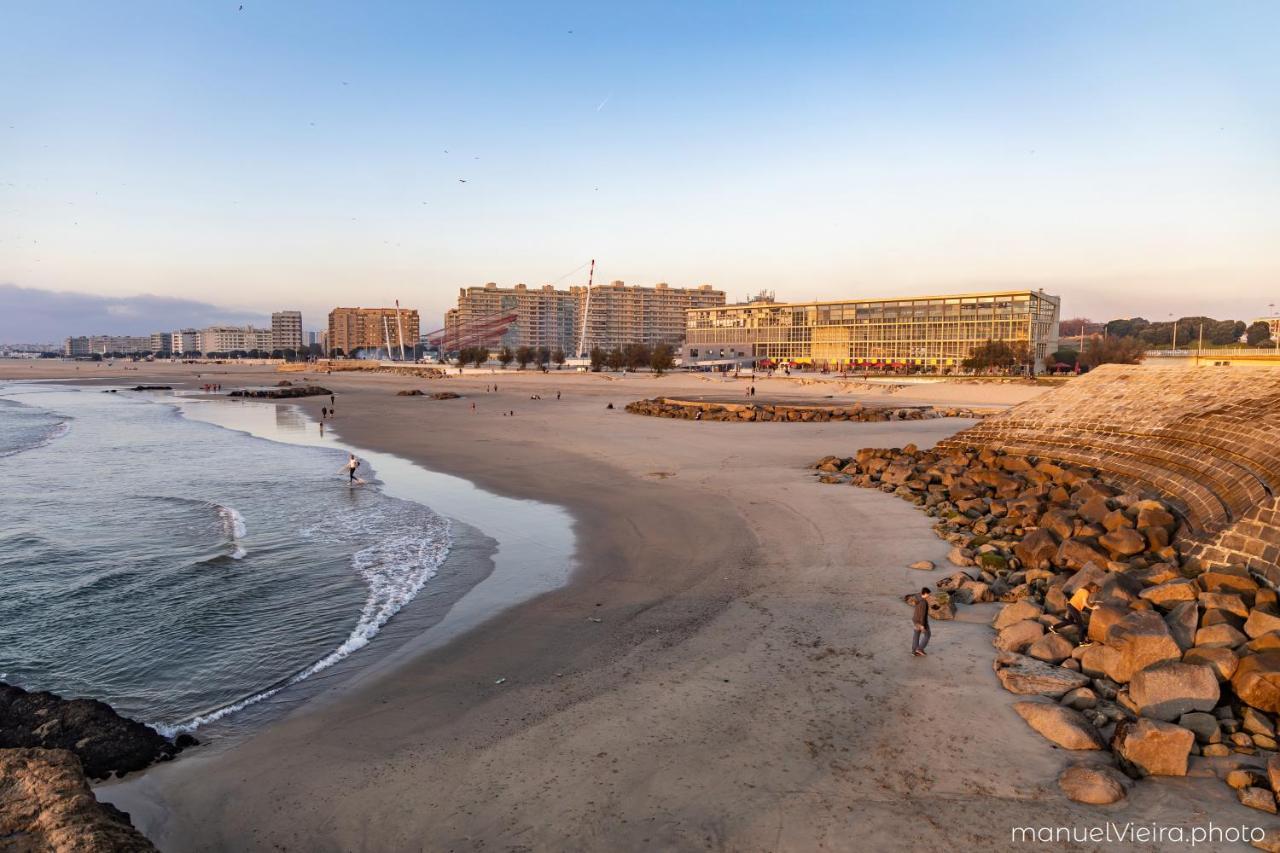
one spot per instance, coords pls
(461, 181)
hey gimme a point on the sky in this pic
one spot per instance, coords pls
(1125, 156)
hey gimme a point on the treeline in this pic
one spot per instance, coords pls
(658, 358)
(1160, 333)
(522, 356)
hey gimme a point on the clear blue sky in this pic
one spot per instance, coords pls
(1122, 154)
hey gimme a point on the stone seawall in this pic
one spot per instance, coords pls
(665, 407)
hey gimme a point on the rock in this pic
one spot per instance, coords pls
(104, 741)
(1099, 661)
(1075, 554)
(1166, 691)
(1082, 699)
(1063, 726)
(1260, 623)
(1204, 726)
(1257, 798)
(1094, 785)
(1019, 611)
(1124, 542)
(283, 393)
(1181, 620)
(1103, 617)
(1141, 639)
(1152, 748)
(1037, 549)
(1267, 742)
(1257, 681)
(1222, 661)
(1051, 648)
(1216, 750)
(1018, 636)
(1273, 772)
(1029, 677)
(1167, 595)
(1220, 635)
(1256, 723)
(922, 565)
(1227, 602)
(1230, 582)
(46, 805)
(957, 557)
(1242, 779)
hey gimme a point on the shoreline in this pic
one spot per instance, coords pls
(749, 684)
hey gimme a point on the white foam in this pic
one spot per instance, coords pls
(233, 523)
(405, 555)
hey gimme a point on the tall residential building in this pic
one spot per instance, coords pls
(161, 342)
(925, 331)
(372, 329)
(286, 330)
(185, 341)
(231, 339)
(615, 314)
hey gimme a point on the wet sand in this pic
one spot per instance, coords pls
(747, 686)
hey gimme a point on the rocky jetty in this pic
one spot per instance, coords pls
(1182, 658)
(46, 805)
(435, 395)
(103, 741)
(664, 407)
(151, 388)
(282, 393)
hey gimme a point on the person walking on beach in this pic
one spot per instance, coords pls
(920, 619)
(352, 464)
(331, 401)
(324, 412)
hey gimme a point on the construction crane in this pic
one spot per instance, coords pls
(586, 310)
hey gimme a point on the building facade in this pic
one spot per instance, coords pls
(936, 332)
(231, 339)
(286, 330)
(185, 342)
(372, 329)
(574, 320)
(87, 345)
(161, 342)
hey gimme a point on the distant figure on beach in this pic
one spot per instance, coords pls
(324, 412)
(1078, 608)
(322, 427)
(473, 407)
(920, 619)
(557, 395)
(331, 401)
(352, 464)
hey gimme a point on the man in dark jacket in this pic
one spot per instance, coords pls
(920, 618)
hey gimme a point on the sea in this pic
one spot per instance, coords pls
(182, 571)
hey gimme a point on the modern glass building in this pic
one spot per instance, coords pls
(923, 332)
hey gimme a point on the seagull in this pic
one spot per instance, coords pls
(241, 9)
(461, 181)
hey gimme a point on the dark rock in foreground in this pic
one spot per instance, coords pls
(283, 393)
(46, 805)
(151, 388)
(103, 741)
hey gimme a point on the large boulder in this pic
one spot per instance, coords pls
(1075, 554)
(1019, 611)
(1094, 785)
(1037, 549)
(1182, 619)
(1101, 620)
(1257, 681)
(1123, 542)
(1029, 677)
(1051, 648)
(1260, 623)
(1152, 748)
(1166, 691)
(1221, 635)
(1019, 635)
(1222, 661)
(1063, 726)
(46, 805)
(1141, 639)
(1167, 595)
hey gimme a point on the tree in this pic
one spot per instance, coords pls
(479, 355)
(1259, 333)
(542, 355)
(1069, 357)
(662, 359)
(558, 357)
(1126, 328)
(598, 359)
(615, 359)
(1111, 350)
(524, 355)
(1075, 327)
(992, 355)
(505, 356)
(635, 356)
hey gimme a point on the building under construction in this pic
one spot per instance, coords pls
(573, 321)
(353, 330)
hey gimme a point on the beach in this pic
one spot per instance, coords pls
(728, 667)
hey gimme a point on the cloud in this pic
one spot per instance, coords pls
(31, 315)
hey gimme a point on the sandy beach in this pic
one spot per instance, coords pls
(728, 667)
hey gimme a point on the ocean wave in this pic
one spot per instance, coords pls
(233, 524)
(38, 438)
(410, 544)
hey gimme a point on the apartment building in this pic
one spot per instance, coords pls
(185, 341)
(231, 339)
(372, 329)
(286, 330)
(925, 331)
(87, 345)
(614, 314)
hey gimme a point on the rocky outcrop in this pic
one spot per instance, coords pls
(1063, 726)
(46, 805)
(278, 393)
(104, 742)
(663, 407)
